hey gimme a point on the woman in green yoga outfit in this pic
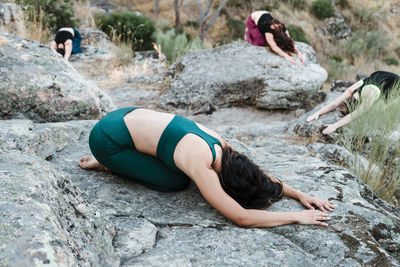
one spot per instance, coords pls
(164, 152)
(378, 84)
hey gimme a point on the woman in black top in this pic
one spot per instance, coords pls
(379, 83)
(276, 35)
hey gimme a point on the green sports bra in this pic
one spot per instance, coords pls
(174, 132)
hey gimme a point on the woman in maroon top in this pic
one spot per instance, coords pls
(262, 29)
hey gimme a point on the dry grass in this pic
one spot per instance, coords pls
(35, 29)
(85, 14)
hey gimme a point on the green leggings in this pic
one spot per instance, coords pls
(112, 145)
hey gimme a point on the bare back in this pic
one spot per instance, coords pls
(257, 14)
(146, 127)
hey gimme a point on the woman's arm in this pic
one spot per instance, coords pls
(53, 45)
(296, 51)
(68, 49)
(211, 189)
(271, 42)
(305, 199)
(333, 105)
(369, 95)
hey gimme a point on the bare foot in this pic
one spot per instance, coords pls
(89, 162)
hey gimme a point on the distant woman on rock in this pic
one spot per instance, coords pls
(262, 29)
(164, 152)
(366, 91)
(66, 42)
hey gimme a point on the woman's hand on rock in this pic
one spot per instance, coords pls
(330, 128)
(322, 204)
(290, 59)
(312, 217)
(301, 58)
(314, 116)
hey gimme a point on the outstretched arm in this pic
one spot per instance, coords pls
(333, 105)
(305, 199)
(369, 95)
(296, 51)
(271, 42)
(68, 49)
(210, 187)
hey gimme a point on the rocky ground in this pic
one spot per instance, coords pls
(53, 212)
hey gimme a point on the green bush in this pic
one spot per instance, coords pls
(129, 28)
(336, 68)
(322, 9)
(299, 4)
(236, 28)
(270, 7)
(363, 15)
(242, 4)
(370, 135)
(343, 3)
(192, 23)
(391, 61)
(297, 33)
(371, 45)
(397, 50)
(175, 45)
(56, 13)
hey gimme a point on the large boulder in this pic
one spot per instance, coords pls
(56, 213)
(39, 84)
(12, 19)
(240, 73)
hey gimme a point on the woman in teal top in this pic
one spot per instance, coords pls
(367, 91)
(165, 151)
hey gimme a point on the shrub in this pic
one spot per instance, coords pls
(242, 4)
(322, 9)
(129, 28)
(363, 14)
(391, 61)
(369, 44)
(397, 50)
(371, 135)
(336, 68)
(192, 23)
(175, 45)
(236, 28)
(270, 7)
(343, 3)
(299, 4)
(297, 33)
(56, 13)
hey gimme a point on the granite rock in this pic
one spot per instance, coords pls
(37, 83)
(242, 74)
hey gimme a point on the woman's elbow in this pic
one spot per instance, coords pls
(242, 220)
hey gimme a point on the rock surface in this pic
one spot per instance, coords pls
(11, 19)
(242, 74)
(130, 225)
(337, 28)
(54, 213)
(37, 83)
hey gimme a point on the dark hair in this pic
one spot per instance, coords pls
(245, 182)
(61, 51)
(281, 38)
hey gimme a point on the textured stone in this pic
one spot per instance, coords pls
(337, 28)
(314, 128)
(95, 37)
(44, 220)
(11, 19)
(36, 82)
(242, 74)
